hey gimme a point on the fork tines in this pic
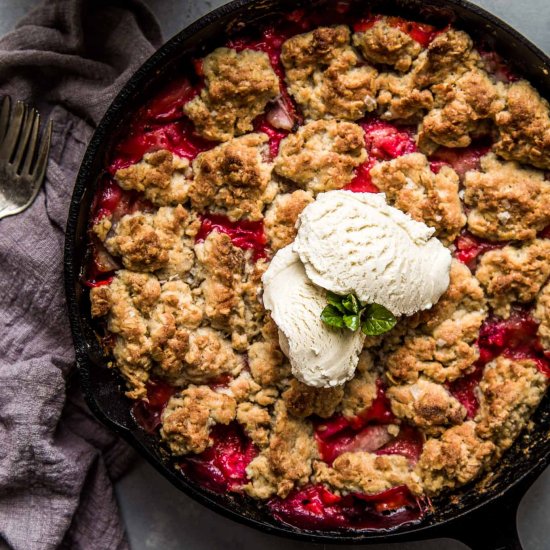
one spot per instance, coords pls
(19, 137)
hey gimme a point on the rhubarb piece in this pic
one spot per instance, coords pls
(148, 411)
(245, 234)
(222, 467)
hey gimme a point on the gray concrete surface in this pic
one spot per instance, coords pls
(158, 516)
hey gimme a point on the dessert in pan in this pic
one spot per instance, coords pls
(320, 263)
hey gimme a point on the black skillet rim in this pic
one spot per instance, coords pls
(86, 177)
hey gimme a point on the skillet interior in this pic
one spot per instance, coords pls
(103, 387)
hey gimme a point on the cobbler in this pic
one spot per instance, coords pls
(207, 183)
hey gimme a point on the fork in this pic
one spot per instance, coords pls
(22, 160)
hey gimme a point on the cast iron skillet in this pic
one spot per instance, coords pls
(482, 515)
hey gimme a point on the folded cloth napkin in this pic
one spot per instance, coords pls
(68, 58)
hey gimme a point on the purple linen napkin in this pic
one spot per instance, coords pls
(68, 58)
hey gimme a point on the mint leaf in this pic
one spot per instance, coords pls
(351, 303)
(348, 311)
(332, 316)
(352, 321)
(336, 301)
(377, 320)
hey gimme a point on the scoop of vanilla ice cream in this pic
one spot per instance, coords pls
(320, 355)
(355, 242)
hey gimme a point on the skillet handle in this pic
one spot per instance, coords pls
(494, 525)
(492, 528)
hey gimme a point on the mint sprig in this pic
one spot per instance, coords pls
(347, 311)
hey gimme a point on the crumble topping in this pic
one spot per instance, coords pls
(360, 391)
(507, 202)
(168, 328)
(454, 459)
(325, 75)
(411, 186)
(256, 421)
(302, 400)
(207, 356)
(450, 53)
(514, 274)
(322, 155)
(425, 404)
(267, 363)
(189, 416)
(509, 392)
(367, 473)
(439, 343)
(287, 461)
(542, 315)
(233, 178)
(387, 45)
(128, 300)
(462, 109)
(281, 218)
(430, 82)
(161, 176)
(159, 241)
(524, 127)
(238, 87)
(399, 98)
(228, 288)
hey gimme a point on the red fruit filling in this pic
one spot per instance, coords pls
(100, 266)
(222, 381)
(545, 233)
(177, 137)
(160, 124)
(460, 159)
(366, 23)
(408, 443)
(106, 199)
(222, 467)
(167, 105)
(516, 338)
(362, 182)
(383, 141)
(148, 412)
(247, 235)
(464, 390)
(469, 247)
(436, 165)
(275, 135)
(497, 66)
(421, 32)
(315, 507)
(369, 439)
(111, 200)
(367, 432)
